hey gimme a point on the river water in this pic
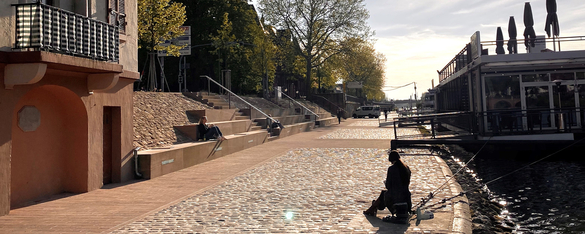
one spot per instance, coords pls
(546, 197)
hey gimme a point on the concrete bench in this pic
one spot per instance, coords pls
(160, 161)
(285, 120)
(324, 122)
(294, 129)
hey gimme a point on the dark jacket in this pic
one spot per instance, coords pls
(201, 130)
(397, 186)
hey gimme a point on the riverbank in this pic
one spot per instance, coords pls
(486, 212)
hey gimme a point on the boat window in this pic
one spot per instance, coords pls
(535, 77)
(367, 108)
(581, 91)
(562, 76)
(580, 75)
(502, 92)
(537, 97)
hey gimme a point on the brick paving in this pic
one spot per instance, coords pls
(323, 183)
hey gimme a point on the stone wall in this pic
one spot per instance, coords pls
(155, 114)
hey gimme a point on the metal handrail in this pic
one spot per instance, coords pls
(241, 99)
(329, 101)
(315, 114)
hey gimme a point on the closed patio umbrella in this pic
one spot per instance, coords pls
(500, 42)
(529, 34)
(512, 33)
(552, 21)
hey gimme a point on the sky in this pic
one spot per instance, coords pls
(419, 37)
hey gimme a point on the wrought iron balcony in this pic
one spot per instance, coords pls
(44, 27)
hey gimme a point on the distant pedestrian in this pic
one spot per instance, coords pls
(397, 197)
(386, 115)
(339, 113)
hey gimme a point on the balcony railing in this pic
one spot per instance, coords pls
(44, 27)
(463, 58)
(457, 63)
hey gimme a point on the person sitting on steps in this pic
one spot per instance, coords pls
(210, 131)
(397, 197)
(270, 126)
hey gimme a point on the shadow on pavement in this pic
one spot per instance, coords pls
(385, 227)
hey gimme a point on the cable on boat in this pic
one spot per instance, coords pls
(537, 161)
(435, 192)
(432, 194)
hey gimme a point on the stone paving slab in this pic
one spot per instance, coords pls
(325, 183)
(372, 133)
(363, 123)
(322, 190)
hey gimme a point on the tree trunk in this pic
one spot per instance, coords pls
(308, 85)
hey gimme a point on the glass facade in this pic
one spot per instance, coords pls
(502, 92)
(535, 77)
(562, 76)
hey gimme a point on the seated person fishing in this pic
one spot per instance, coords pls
(397, 197)
(210, 131)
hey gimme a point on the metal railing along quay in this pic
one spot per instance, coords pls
(532, 121)
(43, 27)
(464, 121)
(500, 122)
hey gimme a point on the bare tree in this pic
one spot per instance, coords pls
(318, 27)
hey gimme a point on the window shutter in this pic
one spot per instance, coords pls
(117, 14)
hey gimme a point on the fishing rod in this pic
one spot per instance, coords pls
(429, 214)
(530, 164)
(435, 192)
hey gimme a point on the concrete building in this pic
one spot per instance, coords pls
(66, 74)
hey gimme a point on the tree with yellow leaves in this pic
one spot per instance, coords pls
(160, 21)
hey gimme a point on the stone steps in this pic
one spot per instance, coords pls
(241, 132)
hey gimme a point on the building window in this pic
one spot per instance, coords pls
(503, 92)
(535, 77)
(562, 76)
(117, 14)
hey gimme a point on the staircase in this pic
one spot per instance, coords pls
(243, 128)
(214, 101)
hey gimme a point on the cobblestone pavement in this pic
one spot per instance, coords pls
(372, 133)
(306, 190)
(365, 124)
(300, 183)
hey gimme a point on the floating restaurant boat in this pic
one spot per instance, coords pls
(539, 93)
(534, 96)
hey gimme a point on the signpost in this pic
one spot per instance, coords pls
(185, 39)
(354, 85)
